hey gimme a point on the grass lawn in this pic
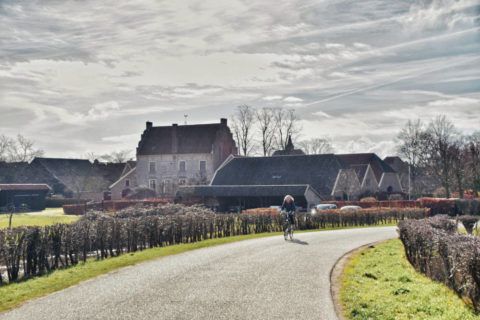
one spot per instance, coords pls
(379, 283)
(13, 295)
(40, 218)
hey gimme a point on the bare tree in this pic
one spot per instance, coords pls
(243, 122)
(441, 136)
(117, 156)
(412, 140)
(91, 156)
(316, 146)
(473, 162)
(286, 124)
(5, 147)
(22, 150)
(266, 122)
(459, 154)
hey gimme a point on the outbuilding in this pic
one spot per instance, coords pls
(238, 197)
(30, 195)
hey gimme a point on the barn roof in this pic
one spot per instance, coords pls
(181, 139)
(378, 165)
(318, 171)
(24, 186)
(243, 190)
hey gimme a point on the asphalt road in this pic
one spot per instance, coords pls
(265, 278)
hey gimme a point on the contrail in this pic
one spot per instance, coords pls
(376, 86)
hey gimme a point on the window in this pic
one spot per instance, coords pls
(167, 186)
(152, 167)
(203, 166)
(127, 183)
(182, 166)
(182, 182)
(153, 184)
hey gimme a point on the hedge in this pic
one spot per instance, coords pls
(34, 251)
(434, 248)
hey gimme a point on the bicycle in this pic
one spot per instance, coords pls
(288, 226)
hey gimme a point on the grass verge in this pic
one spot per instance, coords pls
(13, 295)
(380, 283)
(40, 218)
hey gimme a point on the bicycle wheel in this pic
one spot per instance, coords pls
(291, 232)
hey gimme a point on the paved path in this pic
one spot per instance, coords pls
(265, 278)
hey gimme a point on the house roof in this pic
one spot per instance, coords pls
(23, 172)
(360, 170)
(378, 165)
(318, 171)
(243, 190)
(397, 164)
(198, 138)
(10, 187)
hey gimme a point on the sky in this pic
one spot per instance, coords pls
(84, 76)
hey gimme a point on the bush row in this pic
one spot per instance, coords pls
(434, 248)
(33, 251)
(111, 205)
(436, 205)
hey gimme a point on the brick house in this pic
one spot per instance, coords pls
(176, 155)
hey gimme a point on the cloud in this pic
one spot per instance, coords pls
(272, 98)
(292, 99)
(102, 110)
(351, 69)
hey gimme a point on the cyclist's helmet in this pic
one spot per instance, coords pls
(288, 198)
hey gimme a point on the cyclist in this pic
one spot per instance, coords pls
(289, 208)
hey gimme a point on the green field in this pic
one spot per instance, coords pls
(41, 218)
(379, 283)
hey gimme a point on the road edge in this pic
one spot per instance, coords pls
(335, 277)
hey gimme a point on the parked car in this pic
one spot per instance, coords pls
(352, 208)
(326, 206)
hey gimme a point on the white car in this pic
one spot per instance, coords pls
(326, 206)
(352, 208)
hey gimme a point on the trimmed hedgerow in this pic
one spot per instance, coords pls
(33, 251)
(442, 254)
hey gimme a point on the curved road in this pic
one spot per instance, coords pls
(264, 278)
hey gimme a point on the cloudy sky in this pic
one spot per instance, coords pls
(84, 76)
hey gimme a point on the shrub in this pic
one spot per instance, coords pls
(368, 199)
(443, 255)
(35, 251)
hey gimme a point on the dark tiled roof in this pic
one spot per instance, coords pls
(8, 187)
(63, 167)
(189, 139)
(110, 172)
(360, 170)
(242, 191)
(23, 172)
(288, 152)
(397, 164)
(378, 165)
(318, 171)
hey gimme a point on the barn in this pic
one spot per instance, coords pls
(30, 195)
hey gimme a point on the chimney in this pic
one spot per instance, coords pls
(223, 121)
(174, 138)
(149, 125)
